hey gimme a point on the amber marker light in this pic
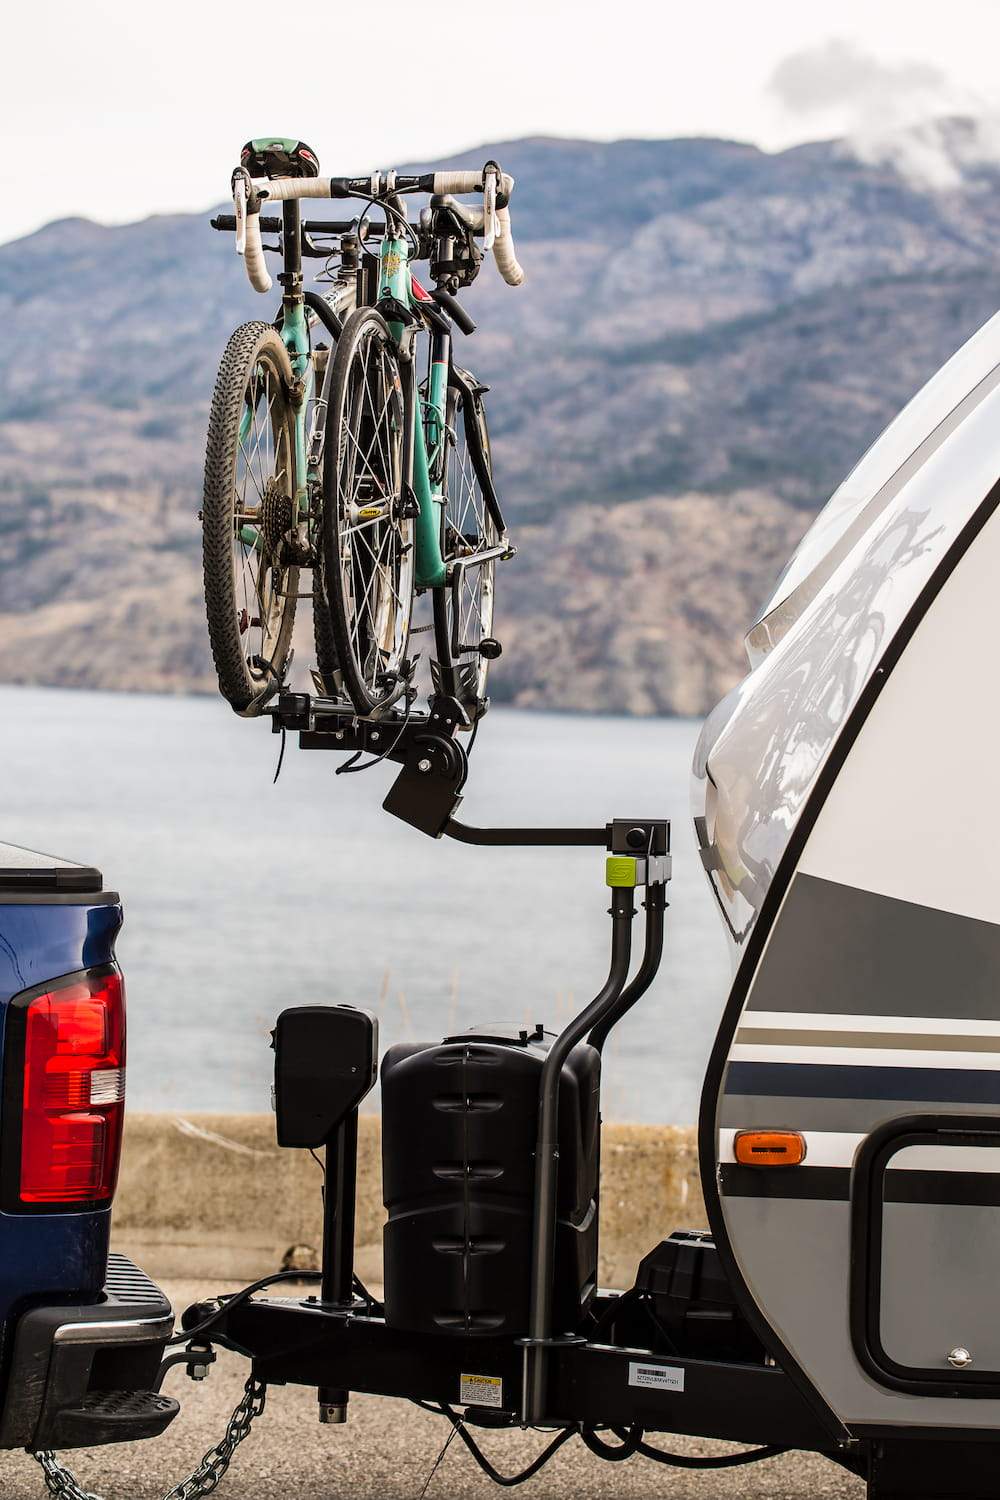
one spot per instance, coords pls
(769, 1148)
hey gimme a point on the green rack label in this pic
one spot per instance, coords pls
(621, 870)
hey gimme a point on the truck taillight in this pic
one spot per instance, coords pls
(70, 1043)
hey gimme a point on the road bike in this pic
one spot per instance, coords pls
(365, 459)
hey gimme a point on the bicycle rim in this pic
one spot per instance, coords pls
(367, 569)
(469, 528)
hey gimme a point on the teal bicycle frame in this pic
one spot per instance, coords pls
(424, 450)
(425, 458)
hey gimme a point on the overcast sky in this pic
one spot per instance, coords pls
(119, 110)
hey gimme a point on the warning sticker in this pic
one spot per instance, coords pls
(656, 1377)
(481, 1390)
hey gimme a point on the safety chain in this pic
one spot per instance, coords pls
(204, 1479)
(59, 1481)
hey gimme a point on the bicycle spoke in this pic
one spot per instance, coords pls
(469, 530)
(365, 457)
(262, 465)
(371, 548)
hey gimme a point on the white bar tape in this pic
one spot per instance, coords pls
(260, 277)
(503, 251)
(278, 188)
(467, 182)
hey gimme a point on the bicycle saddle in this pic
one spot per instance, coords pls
(279, 157)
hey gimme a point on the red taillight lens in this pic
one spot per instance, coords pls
(74, 1091)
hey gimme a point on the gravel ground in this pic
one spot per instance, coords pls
(387, 1451)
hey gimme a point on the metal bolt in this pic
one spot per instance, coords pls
(424, 765)
(198, 1368)
(960, 1359)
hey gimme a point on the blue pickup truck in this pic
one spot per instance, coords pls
(82, 1331)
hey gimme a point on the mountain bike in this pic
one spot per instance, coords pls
(344, 458)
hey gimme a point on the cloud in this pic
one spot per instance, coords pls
(891, 113)
(837, 75)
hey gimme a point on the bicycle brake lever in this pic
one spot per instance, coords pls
(240, 186)
(491, 223)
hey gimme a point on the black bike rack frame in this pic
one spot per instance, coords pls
(301, 1342)
(336, 1347)
(434, 764)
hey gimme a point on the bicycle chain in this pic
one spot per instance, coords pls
(61, 1483)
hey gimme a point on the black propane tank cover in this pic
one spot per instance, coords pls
(459, 1127)
(325, 1062)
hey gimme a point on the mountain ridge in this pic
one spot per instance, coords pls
(708, 331)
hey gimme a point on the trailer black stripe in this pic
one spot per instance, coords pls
(840, 1081)
(833, 1185)
(980, 1189)
(830, 1183)
(842, 951)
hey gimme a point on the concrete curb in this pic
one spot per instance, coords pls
(206, 1195)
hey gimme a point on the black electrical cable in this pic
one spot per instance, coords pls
(237, 1298)
(507, 1480)
(629, 1445)
(281, 757)
(350, 766)
(401, 219)
(690, 1461)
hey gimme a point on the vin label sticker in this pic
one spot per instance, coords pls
(480, 1390)
(656, 1377)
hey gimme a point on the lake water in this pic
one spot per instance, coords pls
(242, 897)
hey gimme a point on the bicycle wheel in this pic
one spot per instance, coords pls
(469, 529)
(247, 512)
(367, 539)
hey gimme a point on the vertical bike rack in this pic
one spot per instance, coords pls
(425, 794)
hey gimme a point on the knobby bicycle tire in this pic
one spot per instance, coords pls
(244, 610)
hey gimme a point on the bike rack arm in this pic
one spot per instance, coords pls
(591, 838)
(547, 1153)
(655, 904)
